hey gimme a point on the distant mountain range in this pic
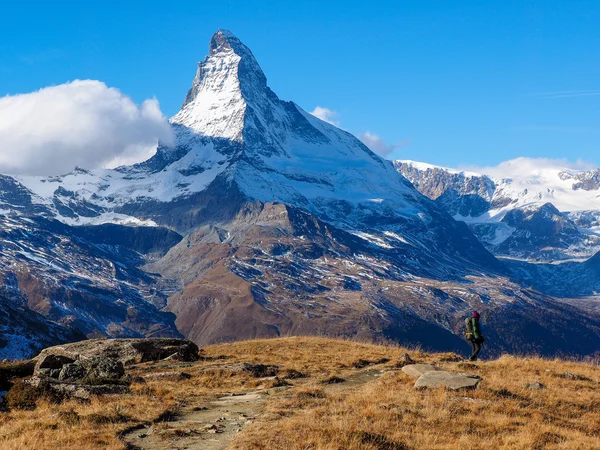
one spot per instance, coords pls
(261, 220)
(547, 214)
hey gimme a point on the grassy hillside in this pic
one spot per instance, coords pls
(323, 394)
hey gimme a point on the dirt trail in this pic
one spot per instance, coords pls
(354, 380)
(214, 425)
(211, 426)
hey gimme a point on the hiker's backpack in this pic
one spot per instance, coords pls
(469, 332)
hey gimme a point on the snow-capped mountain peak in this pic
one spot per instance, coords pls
(274, 150)
(225, 81)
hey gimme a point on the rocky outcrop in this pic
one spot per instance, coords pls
(96, 367)
(60, 283)
(540, 232)
(126, 351)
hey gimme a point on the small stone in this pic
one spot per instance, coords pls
(535, 386)
(573, 376)
(407, 359)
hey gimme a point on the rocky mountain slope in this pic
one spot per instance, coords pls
(84, 279)
(546, 214)
(262, 220)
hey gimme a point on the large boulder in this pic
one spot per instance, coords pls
(449, 380)
(416, 370)
(127, 351)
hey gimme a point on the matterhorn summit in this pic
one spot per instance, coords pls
(216, 104)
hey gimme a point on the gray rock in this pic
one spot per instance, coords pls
(128, 351)
(260, 370)
(407, 359)
(416, 370)
(449, 380)
(572, 376)
(167, 376)
(535, 386)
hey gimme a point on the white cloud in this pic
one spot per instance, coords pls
(374, 142)
(378, 145)
(82, 123)
(326, 115)
(523, 167)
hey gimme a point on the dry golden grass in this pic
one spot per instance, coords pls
(363, 412)
(388, 414)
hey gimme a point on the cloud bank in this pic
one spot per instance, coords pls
(377, 145)
(374, 142)
(83, 123)
(526, 167)
(326, 115)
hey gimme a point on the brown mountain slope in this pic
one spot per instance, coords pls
(276, 271)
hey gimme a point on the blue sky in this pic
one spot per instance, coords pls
(448, 82)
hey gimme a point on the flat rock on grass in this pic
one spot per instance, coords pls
(449, 380)
(416, 370)
(128, 351)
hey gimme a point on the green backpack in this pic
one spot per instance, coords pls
(471, 329)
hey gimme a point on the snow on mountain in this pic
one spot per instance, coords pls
(487, 203)
(215, 105)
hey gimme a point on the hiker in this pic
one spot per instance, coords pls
(473, 334)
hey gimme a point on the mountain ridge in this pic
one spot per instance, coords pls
(491, 204)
